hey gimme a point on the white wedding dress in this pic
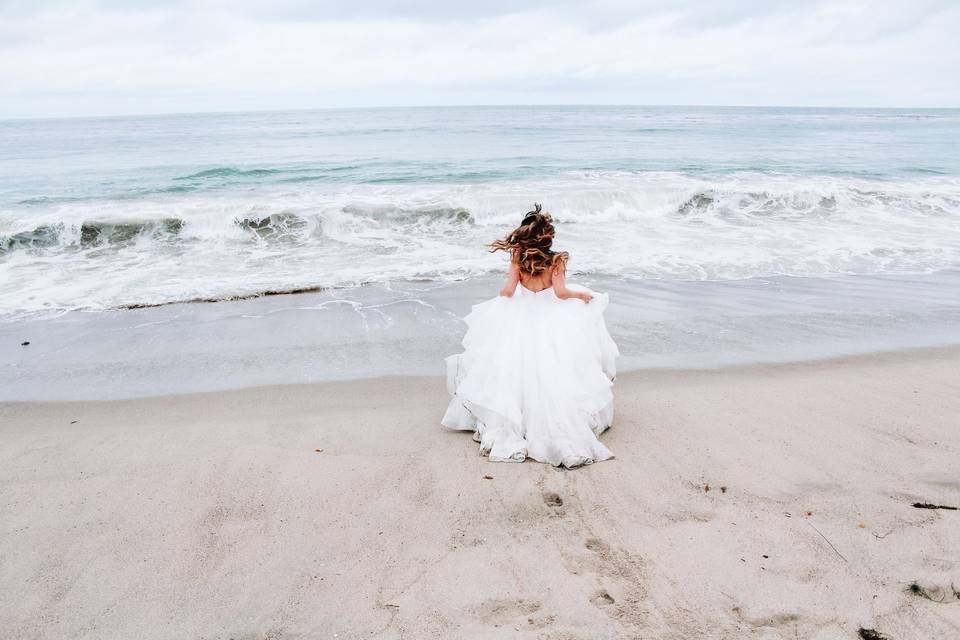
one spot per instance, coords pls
(535, 378)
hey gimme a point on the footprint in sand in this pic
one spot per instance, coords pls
(502, 610)
(597, 546)
(552, 499)
(602, 598)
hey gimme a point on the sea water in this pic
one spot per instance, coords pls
(727, 234)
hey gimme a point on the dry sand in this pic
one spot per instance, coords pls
(212, 515)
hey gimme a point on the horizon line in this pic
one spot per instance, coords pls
(156, 114)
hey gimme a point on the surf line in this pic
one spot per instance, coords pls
(246, 296)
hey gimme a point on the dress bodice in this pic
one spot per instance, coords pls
(527, 292)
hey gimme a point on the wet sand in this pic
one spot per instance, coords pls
(404, 329)
(765, 501)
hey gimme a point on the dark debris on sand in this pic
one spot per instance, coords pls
(927, 505)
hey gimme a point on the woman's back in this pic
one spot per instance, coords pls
(537, 283)
(533, 262)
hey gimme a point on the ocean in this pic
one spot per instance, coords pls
(727, 235)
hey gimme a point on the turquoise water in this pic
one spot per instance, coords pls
(723, 236)
(135, 156)
(114, 212)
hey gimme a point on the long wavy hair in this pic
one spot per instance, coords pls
(530, 243)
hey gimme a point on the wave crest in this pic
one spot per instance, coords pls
(648, 225)
(229, 172)
(274, 225)
(90, 233)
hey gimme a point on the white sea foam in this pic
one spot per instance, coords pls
(98, 254)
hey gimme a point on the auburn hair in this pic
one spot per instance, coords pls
(530, 244)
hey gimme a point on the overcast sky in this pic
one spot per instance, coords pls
(85, 57)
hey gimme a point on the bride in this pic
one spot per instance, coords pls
(536, 373)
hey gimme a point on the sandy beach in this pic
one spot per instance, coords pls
(765, 501)
(249, 250)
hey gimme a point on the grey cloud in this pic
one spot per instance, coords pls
(696, 13)
(690, 14)
(86, 55)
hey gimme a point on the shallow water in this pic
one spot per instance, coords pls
(112, 212)
(725, 235)
(407, 329)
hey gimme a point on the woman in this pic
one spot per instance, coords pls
(536, 373)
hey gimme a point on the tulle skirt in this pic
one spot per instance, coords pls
(535, 378)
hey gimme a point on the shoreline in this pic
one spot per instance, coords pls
(946, 353)
(409, 328)
(771, 500)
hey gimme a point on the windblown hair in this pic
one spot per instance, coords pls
(530, 243)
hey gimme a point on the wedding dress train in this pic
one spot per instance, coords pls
(535, 378)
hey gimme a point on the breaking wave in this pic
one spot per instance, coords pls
(172, 247)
